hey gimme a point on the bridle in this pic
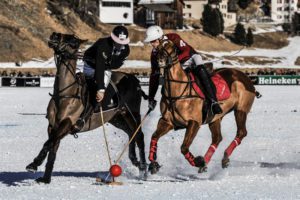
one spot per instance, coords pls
(61, 57)
(172, 60)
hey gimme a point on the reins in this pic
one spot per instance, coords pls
(167, 78)
(60, 61)
(170, 63)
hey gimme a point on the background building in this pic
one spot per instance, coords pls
(282, 10)
(165, 13)
(116, 11)
(193, 8)
(229, 14)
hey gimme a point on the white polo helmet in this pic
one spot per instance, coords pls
(153, 33)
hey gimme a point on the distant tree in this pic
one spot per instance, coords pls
(206, 18)
(249, 37)
(243, 4)
(212, 21)
(266, 8)
(240, 34)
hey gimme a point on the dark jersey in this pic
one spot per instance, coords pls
(102, 56)
(184, 52)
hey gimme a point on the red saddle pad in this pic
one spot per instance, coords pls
(223, 91)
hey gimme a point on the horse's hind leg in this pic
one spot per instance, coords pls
(123, 122)
(240, 118)
(215, 129)
(190, 134)
(139, 139)
(163, 127)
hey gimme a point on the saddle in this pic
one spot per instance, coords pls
(111, 101)
(111, 97)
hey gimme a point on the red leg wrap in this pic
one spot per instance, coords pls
(153, 149)
(210, 152)
(232, 146)
(189, 156)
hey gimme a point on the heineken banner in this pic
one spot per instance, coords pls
(275, 80)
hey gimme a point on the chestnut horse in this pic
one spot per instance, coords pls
(181, 107)
(67, 104)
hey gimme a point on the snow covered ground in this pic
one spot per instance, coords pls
(265, 166)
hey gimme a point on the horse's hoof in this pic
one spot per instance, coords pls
(43, 180)
(143, 174)
(31, 168)
(225, 162)
(154, 167)
(142, 166)
(199, 162)
(135, 163)
(202, 169)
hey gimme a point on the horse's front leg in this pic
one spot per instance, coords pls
(32, 167)
(190, 134)
(63, 130)
(51, 112)
(163, 127)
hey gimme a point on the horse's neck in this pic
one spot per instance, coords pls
(176, 73)
(65, 76)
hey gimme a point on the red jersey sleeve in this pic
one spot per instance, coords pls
(185, 51)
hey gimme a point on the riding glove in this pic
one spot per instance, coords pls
(100, 95)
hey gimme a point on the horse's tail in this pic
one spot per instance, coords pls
(257, 94)
(144, 95)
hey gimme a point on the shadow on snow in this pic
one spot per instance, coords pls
(14, 178)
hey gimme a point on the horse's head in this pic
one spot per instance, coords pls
(166, 55)
(66, 44)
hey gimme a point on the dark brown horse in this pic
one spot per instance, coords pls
(181, 107)
(67, 104)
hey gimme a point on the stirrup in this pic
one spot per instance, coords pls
(216, 108)
(79, 124)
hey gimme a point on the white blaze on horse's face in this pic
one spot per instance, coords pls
(163, 55)
(161, 60)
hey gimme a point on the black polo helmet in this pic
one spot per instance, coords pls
(120, 35)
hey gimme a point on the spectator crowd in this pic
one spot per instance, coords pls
(28, 74)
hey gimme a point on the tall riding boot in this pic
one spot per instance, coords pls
(209, 90)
